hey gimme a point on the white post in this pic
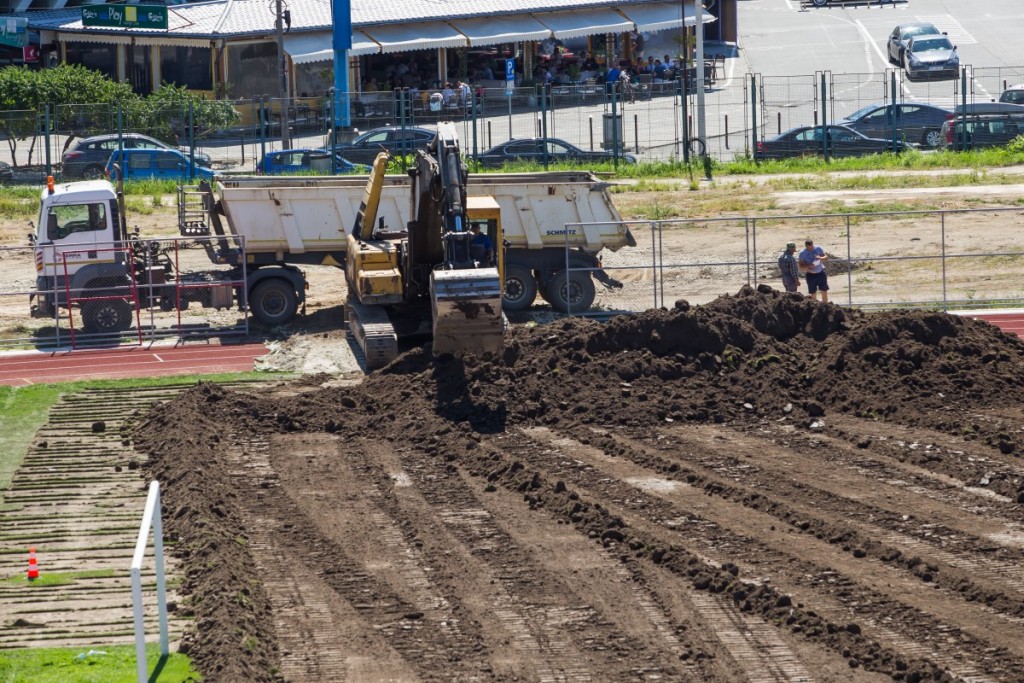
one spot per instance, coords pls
(150, 518)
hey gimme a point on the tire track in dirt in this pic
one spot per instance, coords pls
(552, 626)
(822, 476)
(724, 531)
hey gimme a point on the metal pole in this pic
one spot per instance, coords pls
(686, 117)
(945, 301)
(698, 30)
(46, 123)
(282, 65)
(615, 129)
(191, 141)
(753, 115)
(963, 107)
(263, 128)
(333, 143)
(544, 121)
(824, 118)
(849, 263)
(654, 260)
(892, 86)
(636, 133)
(508, 96)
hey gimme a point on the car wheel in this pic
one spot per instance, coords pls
(932, 138)
(106, 317)
(520, 288)
(92, 172)
(571, 292)
(273, 302)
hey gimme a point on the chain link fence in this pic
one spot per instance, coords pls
(933, 259)
(138, 291)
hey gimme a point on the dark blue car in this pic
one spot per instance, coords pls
(305, 161)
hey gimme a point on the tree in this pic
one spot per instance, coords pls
(164, 114)
(25, 92)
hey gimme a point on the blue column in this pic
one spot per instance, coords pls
(342, 39)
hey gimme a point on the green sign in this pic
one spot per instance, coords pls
(125, 16)
(14, 31)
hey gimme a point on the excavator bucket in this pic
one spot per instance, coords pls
(466, 305)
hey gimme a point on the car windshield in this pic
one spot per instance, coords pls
(932, 44)
(919, 30)
(863, 111)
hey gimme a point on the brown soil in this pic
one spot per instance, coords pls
(763, 489)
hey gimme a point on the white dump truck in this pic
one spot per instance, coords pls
(283, 223)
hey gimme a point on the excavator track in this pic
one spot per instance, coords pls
(374, 333)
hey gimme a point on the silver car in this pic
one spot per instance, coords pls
(902, 34)
(931, 56)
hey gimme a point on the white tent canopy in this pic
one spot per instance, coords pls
(584, 22)
(497, 30)
(305, 48)
(662, 15)
(421, 36)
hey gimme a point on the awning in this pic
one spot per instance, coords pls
(584, 22)
(128, 39)
(305, 48)
(661, 15)
(495, 30)
(422, 36)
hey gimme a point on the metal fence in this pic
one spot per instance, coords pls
(175, 293)
(933, 259)
(656, 120)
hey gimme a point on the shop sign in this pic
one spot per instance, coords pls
(14, 31)
(125, 16)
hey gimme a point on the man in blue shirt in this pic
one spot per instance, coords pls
(482, 247)
(812, 262)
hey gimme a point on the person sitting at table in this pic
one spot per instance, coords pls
(660, 70)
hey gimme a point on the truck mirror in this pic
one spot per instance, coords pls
(52, 228)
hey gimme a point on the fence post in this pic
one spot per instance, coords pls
(892, 85)
(263, 129)
(544, 121)
(752, 258)
(963, 108)
(686, 118)
(120, 134)
(46, 137)
(590, 123)
(615, 127)
(849, 263)
(945, 300)
(472, 108)
(824, 117)
(753, 115)
(727, 131)
(191, 141)
(332, 142)
(654, 260)
(636, 133)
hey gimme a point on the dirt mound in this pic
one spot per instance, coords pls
(758, 355)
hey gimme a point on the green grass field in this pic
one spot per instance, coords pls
(91, 665)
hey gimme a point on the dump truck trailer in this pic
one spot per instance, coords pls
(308, 220)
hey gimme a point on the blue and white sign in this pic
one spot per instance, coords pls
(510, 69)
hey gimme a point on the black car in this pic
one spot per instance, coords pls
(982, 130)
(533, 149)
(806, 141)
(89, 156)
(902, 34)
(920, 123)
(365, 147)
(931, 56)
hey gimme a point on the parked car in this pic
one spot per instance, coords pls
(89, 156)
(932, 56)
(806, 141)
(902, 34)
(1013, 95)
(305, 161)
(365, 147)
(982, 130)
(6, 172)
(532, 149)
(138, 164)
(920, 123)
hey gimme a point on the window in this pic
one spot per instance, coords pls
(139, 161)
(69, 219)
(144, 143)
(168, 160)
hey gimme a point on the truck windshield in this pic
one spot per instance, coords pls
(67, 219)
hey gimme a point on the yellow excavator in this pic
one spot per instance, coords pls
(436, 270)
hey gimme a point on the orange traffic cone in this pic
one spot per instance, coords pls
(33, 568)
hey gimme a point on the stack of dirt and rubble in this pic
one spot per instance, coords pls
(758, 358)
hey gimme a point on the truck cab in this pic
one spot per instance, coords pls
(78, 248)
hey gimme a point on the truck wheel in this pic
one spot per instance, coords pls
(575, 293)
(520, 288)
(273, 302)
(113, 315)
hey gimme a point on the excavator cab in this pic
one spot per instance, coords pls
(431, 269)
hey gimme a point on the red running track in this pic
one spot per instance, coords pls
(21, 369)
